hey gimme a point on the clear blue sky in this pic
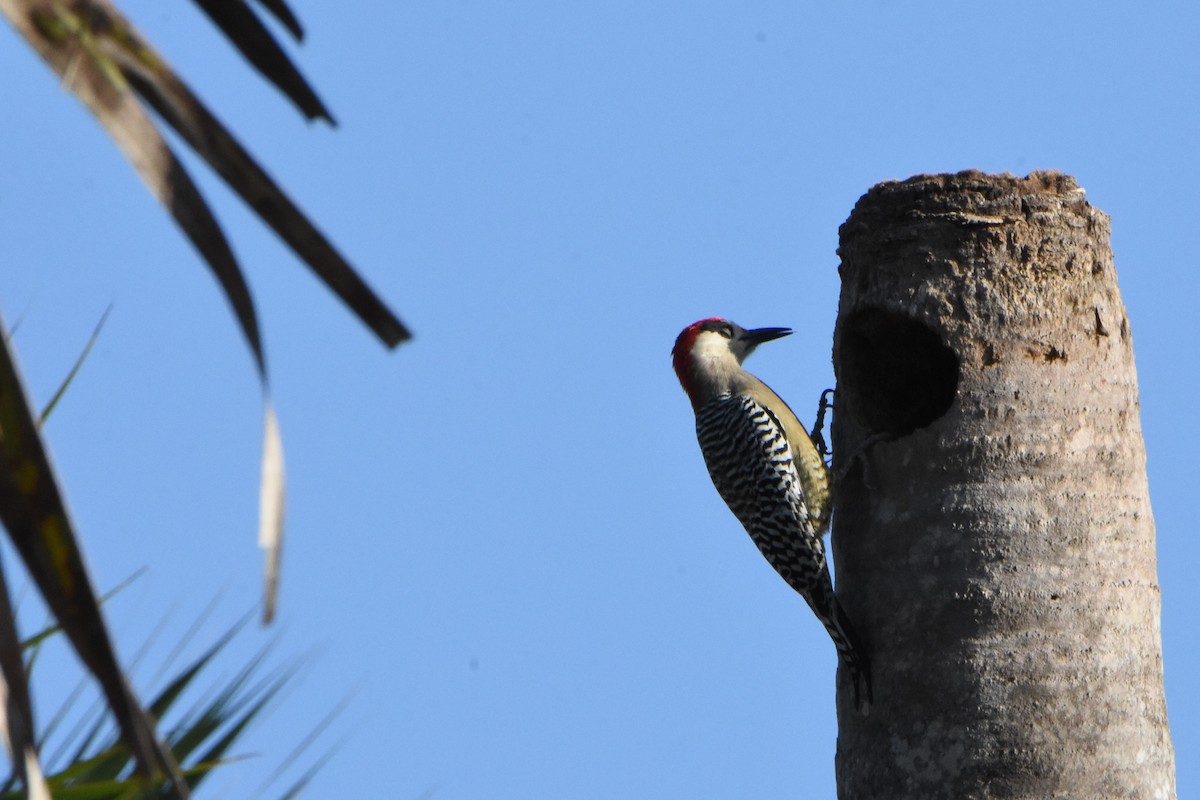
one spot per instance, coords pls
(501, 537)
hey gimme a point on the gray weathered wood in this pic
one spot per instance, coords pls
(995, 544)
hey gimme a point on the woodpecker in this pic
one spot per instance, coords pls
(767, 470)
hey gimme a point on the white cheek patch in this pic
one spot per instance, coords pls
(714, 362)
(711, 346)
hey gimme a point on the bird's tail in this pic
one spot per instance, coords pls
(849, 649)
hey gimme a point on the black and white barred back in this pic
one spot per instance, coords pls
(750, 461)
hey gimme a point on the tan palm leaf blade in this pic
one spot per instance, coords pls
(16, 711)
(109, 66)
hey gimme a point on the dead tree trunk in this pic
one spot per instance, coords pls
(992, 528)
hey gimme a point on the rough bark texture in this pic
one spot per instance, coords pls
(995, 545)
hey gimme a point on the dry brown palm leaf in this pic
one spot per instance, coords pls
(101, 57)
(33, 513)
(242, 26)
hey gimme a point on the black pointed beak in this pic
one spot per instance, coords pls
(759, 335)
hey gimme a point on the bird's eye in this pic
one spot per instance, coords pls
(726, 331)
